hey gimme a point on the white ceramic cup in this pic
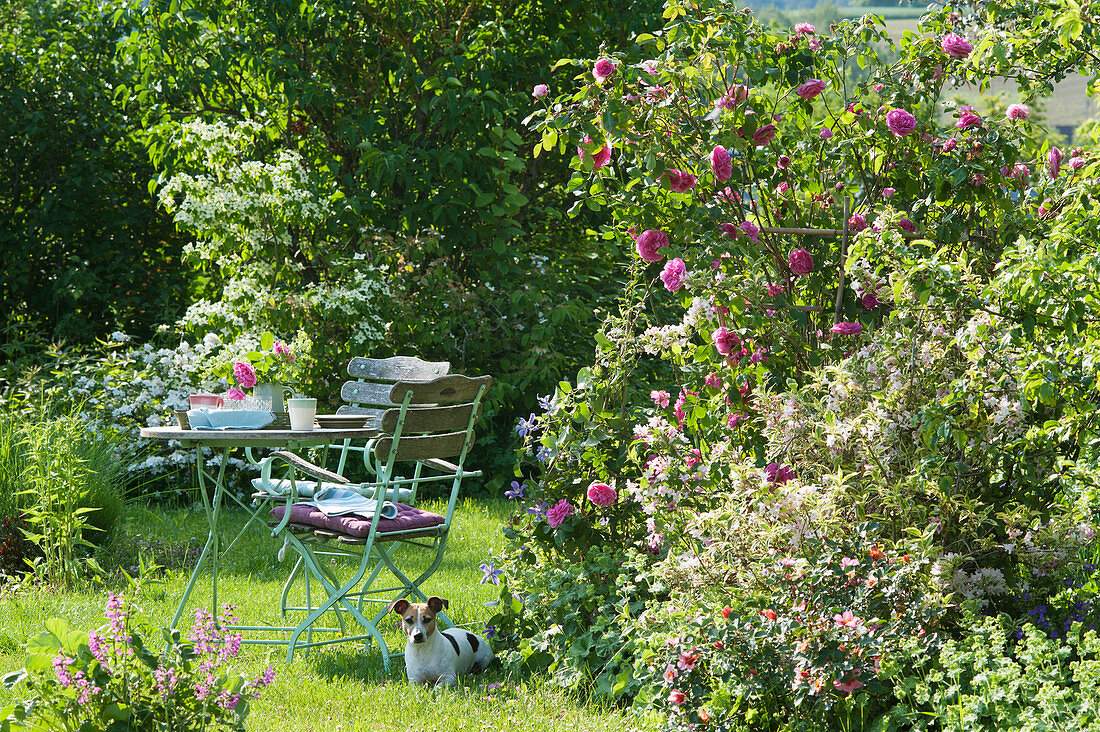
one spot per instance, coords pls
(302, 412)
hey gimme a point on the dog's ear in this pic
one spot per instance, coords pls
(437, 604)
(399, 606)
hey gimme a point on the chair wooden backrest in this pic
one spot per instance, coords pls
(374, 378)
(435, 420)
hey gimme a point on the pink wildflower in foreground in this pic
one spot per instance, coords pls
(845, 328)
(900, 122)
(721, 164)
(800, 28)
(649, 242)
(811, 89)
(540, 90)
(955, 46)
(556, 514)
(800, 261)
(673, 274)
(602, 495)
(660, 397)
(244, 374)
(1017, 112)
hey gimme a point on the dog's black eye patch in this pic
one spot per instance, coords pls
(472, 640)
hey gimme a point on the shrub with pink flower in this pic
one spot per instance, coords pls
(750, 230)
(725, 340)
(673, 274)
(968, 120)
(648, 244)
(1054, 162)
(679, 181)
(721, 164)
(900, 122)
(244, 374)
(845, 328)
(811, 88)
(800, 261)
(604, 68)
(764, 135)
(602, 495)
(560, 511)
(600, 158)
(1017, 112)
(540, 91)
(273, 362)
(955, 46)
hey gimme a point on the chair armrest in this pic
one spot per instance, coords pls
(305, 466)
(441, 465)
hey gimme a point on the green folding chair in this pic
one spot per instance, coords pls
(423, 440)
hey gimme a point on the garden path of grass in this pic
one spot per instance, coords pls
(333, 688)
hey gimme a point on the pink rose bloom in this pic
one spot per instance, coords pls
(857, 222)
(900, 122)
(811, 88)
(967, 120)
(1054, 162)
(751, 230)
(950, 144)
(844, 328)
(721, 163)
(776, 290)
(907, 225)
(764, 135)
(801, 262)
(604, 68)
(602, 495)
(1017, 112)
(680, 181)
(244, 374)
(556, 514)
(725, 340)
(977, 180)
(660, 397)
(540, 91)
(888, 192)
(236, 394)
(826, 133)
(600, 158)
(736, 419)
(1076, 163)
(955, 46)
(677, 697)
(869, 300)
(281, 349)
(800, 28)
(673, 274)
(649, 242)
(846, 620)
(713, 380)
(783, 163)
(783, 187)
(729, 229)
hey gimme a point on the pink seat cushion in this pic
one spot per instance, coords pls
(407, 519)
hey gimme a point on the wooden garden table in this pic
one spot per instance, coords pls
(224, 442)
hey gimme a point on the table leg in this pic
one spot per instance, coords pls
(210, 551)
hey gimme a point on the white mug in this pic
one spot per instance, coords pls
(302, 412)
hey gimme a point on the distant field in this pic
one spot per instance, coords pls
(1067, 108)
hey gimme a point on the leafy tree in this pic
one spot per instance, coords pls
(84, 250)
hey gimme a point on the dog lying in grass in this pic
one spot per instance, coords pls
(438, 657)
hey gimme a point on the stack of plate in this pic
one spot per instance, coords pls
(342, 421)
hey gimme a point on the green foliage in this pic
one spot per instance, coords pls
(85, 251)
(985, 681)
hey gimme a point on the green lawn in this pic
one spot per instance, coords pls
(334, 688)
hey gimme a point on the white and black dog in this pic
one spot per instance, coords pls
(433, 657)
